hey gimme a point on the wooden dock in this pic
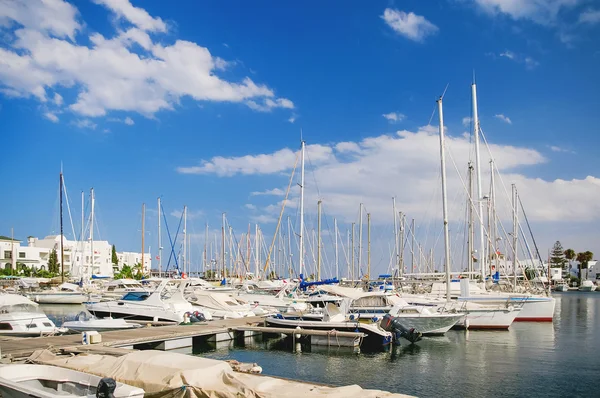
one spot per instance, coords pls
(163, 337)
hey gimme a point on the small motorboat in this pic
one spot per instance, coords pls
(21, 317)
(87, 323)
(44, 381)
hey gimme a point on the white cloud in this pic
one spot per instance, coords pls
(276, 162)
(85, 124)
(410, 25)
(250, 206)
(268, 104)
(543, 12)
(394, 117)
(526, 60)
(411, 159)
(504, 118)
(51, 116)
(292, 119)
(191, 214)
(58, 99)
(271, 192)
(129, 121)
(263, 219)
(590, 16)
(55, 17)
(347, 147)
(466, 121)
(129, 71)
(137, 16)
(555, 148)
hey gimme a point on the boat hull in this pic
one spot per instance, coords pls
(533, 308)
(430, 324)
(59, 298)
(374, 337)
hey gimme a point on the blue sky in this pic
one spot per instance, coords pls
(133, 97)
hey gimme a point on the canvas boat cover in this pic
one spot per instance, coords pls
(165, 374)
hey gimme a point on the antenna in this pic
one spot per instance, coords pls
(301, 139)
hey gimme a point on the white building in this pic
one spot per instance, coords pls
(8, 252)
(131, 259)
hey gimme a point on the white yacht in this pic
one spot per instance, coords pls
(222, 305)
(282, 301)
(424, 319)
(587, 286)
(20, 316)
(158, 306)
(45, 381)
(119, 287)
(65, 293)
(86, 323)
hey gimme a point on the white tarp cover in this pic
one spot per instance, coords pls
(165, 374)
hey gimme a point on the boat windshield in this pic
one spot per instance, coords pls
(135, 296)
(5, 309)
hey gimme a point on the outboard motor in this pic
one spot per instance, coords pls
(393, 325)
(106, 388)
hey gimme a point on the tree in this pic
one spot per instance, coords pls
(583, 258)
(53, 264)
(530, 273)
(557, 256)
(115, 259)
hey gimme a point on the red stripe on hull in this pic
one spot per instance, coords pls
(534, 319)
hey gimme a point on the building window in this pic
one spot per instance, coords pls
(7, 254)
(21, 254)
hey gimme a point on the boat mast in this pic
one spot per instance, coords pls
(93, 202)
(368, 246)
(479, 185)
(184, 238)
(143, 233)
(205, 247)
(62, 239)
(301, 267)
(412, 245)
(223, 244)
(515, 234)
(319, 240)
(360, 232)
(396, 253)
(159, 244)
(402, 228)
(352, 268)
(471, 233)
(256, 249)
(444, 198)
(290, 254)
(337, 267)
(82, 232)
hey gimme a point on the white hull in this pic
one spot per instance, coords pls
(533, 308)
(59, 298)
(430, 324)
(27, 324)
(99, 325)
(489, 319)
(561, 288)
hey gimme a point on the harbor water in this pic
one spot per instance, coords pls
(531, 359)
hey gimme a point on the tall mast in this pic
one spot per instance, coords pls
(471, 233)
(205, 247)
(319, 240)
(444, 199)
(337, 266)
(143, 231)
(352, 252)
(185, 239)
(301, 266)
(62, 239)
(396, 252)
(360, 230)
(159, 243)
(290, 254)
(515, 233)
(223, 245)
(368, 246)
(93, 203)
(402, 228)
(412, 245)
(493, 231)
(82, 232)
(256, 250)
(476, 130)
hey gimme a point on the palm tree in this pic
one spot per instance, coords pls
(570, 255)
(583, 258)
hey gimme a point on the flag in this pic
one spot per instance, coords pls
(158, 257)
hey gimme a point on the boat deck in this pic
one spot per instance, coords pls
(23, 347)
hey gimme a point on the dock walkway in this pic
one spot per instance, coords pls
(179, 336)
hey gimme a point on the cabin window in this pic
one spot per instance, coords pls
(48, 324)
(111, 289)
(5, 326)
(135, 296)
(230, 303)
(32, 326)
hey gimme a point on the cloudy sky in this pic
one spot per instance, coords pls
(205, 105)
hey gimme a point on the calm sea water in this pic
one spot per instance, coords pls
(531, 359)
